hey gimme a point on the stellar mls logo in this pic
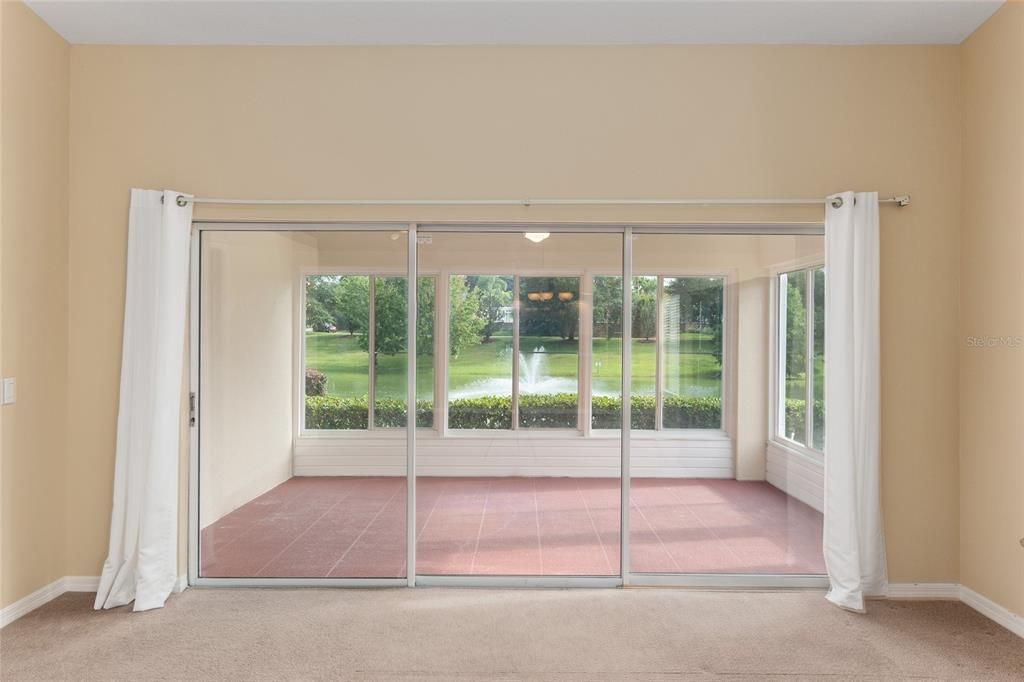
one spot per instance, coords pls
(995, 341)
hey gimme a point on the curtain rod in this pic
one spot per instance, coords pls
(903, 200)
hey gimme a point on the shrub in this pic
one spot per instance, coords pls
(681, 412)
(535, 411)
(390, 412)
(316, 382)
(796, 416)
(686, 412)
(557, 411)
(332, 412)
(489, 412)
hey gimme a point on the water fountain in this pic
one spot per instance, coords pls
(532, 380)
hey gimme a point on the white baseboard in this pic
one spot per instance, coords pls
(957, 592)
(31, 602)
(81, 583)
(69, 583)
(924, 591)
(993, 611)
(181, 584)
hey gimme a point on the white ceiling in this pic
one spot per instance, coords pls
(574, 22)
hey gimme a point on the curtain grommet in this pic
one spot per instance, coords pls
(181, 201)
(837, 202)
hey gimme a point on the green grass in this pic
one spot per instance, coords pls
(796, 386)
(347, 368)
(691, 371)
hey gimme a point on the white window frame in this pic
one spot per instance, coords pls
(729, 311)
(777, 378)
(582, 369)
(300, 359)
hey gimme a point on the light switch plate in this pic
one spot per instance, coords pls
(10, 390)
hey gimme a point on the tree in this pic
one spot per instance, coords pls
(608, 304)
(495, 296)
(317, 316)
(796, 327)
(464, 319)
(553, 316)
(700, 307)
(425, 297)
(645, 318)
(353, 294)
(390, 319)
(326, 304)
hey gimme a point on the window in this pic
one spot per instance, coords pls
(347, 315)
(691, 324)
(486, 348)
(548, 352)
(480, 351)
(801, 344)
(676, 373)
(513, 356)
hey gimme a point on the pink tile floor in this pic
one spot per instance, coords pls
(355, 527)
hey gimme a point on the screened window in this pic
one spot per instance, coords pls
(801, 344)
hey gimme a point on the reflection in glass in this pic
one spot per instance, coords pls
(692, 352)
(794, 340)
(548, 352)
(819, 359)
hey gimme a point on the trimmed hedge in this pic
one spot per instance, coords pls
(796, 415)
(535, 411)
(331, 412)
(680, 412)
(489, 412)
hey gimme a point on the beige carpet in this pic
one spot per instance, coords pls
(476, 634)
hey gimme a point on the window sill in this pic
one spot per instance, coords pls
(795, 448)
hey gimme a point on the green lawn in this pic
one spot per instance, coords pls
(690, 369)
(796, 387)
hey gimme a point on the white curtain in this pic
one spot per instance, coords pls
(142, 562)
(853, 542)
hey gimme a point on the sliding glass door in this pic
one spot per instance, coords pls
(510, 479)
(445, 404)
(302, 407)
(725, 479)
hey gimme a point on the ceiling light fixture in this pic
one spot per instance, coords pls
(536, 237)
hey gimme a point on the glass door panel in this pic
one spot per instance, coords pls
(512, 479)
(728, 324)
(302, 450)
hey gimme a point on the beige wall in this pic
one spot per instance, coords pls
(517, 122)
(992, 305)
(34, 162)
(247, 367)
